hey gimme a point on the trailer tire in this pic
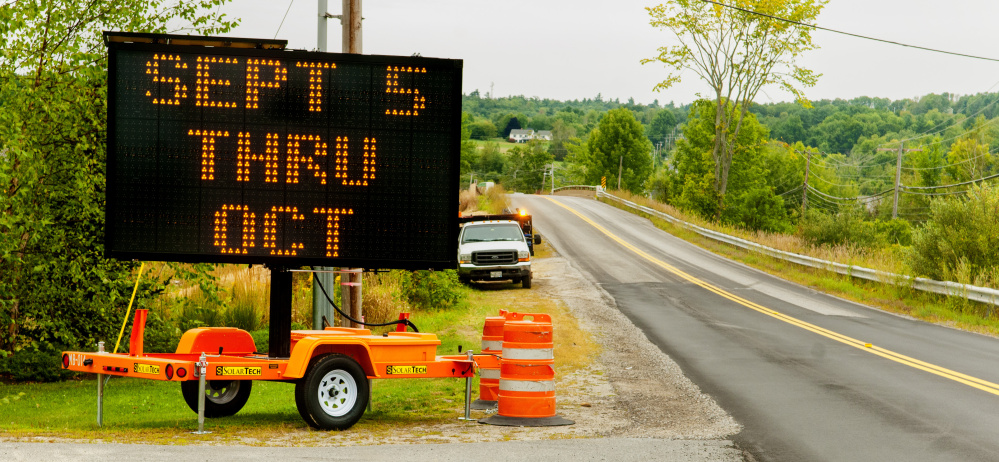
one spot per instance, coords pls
(223, 398)
(526, 282)
(333, 394)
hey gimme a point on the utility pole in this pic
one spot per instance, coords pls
(320, 305)
(351, 22)
(898, 174)
(550, 171)
(620, 167)
(553, 179)
(351, 25)
(804, 192)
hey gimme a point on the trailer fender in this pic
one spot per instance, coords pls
(231, 340)
(310, 347)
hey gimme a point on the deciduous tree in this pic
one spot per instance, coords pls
(618, 144)
(737, 53)
(661, 126)
(56, 286)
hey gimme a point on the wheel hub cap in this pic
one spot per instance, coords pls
(337, 393)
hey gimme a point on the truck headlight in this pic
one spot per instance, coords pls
(464, 258)
(523, 255)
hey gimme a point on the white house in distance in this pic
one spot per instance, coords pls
(525, 135)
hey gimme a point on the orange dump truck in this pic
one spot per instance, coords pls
(330, 368)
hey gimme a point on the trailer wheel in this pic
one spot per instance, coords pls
(526, 282)
(333, 394)
(223, 398)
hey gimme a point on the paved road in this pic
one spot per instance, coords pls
(606, 449)
(792, 365)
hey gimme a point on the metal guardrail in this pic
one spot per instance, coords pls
(970, 292)
(580, 187)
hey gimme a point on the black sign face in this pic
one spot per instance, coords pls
(282, 157)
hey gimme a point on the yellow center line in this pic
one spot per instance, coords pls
(980, 384)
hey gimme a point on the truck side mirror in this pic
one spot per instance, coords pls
(537, 239)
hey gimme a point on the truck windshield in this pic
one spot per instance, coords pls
(492, 233)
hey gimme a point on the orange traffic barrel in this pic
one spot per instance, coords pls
(489, 377)
(526, 393)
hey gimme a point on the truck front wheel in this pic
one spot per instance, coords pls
(333, 394)
(526, 281)
(223, 398)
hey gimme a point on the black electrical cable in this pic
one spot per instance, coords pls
(891, 42)
(347, 316)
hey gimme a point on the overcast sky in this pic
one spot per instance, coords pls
(576, 49)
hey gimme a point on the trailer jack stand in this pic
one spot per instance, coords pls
(202, 368)
(100, 391)
(468, 394)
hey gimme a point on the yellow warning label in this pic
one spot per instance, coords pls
(237, 370)
(145, 368)
(400, 370)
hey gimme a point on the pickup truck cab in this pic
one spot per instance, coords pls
(494, 250)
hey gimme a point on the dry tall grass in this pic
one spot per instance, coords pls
(468, 202)
(383, 301)
(496, 200)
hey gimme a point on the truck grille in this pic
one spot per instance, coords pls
(494, 257)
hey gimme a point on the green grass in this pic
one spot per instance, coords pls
(148, 411)
(502, 143)
(951, 311)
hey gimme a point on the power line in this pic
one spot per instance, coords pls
(857, 198)
(934, 50)
(292, 2)
(865, 37)
(951, 193)
(791, 191)
(855, 185)
(977, 180)
(941, 167)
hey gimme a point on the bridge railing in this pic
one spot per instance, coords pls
(970, 292)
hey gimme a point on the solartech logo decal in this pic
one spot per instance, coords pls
(236, 370)
(145, 369)
(405, 370)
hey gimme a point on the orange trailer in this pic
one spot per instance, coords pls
(330, 368)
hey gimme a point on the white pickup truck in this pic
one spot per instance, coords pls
(494, 250)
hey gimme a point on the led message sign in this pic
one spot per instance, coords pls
(220, 154)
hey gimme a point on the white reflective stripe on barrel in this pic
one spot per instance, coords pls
(489, 373)
(492, 345)
(527, 385)
(528, 353)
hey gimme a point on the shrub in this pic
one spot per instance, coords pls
(434, 289)
(261, 339)
(161, 336)
(757, 209)
(960, 233)
(34, 365)
(852, 227)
